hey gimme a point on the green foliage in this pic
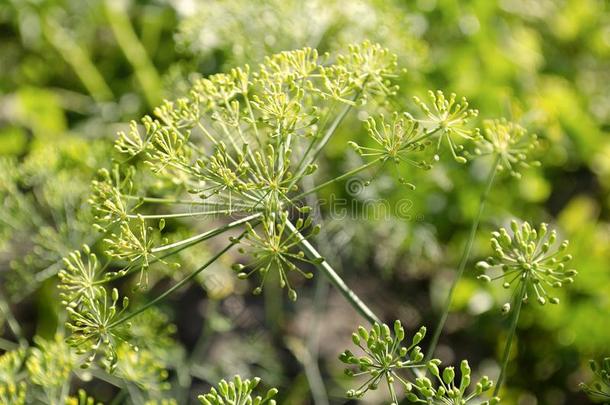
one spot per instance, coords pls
(141, 367)
(50, 363)
(94, 324)
(12, 394)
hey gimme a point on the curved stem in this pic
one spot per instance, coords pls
(335, 279)
(511, 334)
(464, 259)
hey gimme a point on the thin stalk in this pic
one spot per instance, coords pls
(465, 256)
(336, 179)
(12, 321)
(183, 214)
(7, 345)
(176, 286)
(163, 200)
(511, 334)
(207, 234)
(335, 279)
(134, 51)
(312, 368)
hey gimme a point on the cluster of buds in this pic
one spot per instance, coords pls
(384, 356)
(529, 259)
(238, 391)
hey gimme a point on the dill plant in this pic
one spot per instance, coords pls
(237, 150)
(531, 263)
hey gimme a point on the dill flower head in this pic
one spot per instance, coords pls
(395, 140)
(11, 363)
(239, 392)
(599, 390)
(450, 119)
(510, 142)
(94, 327)
(79, 277)
(141, 367)
(531, 261)
(50, 363)
(447, 390)
(384, 355)
(106, 198)
(275, 248)
(231, 140)
(13, 393)
(82, 399)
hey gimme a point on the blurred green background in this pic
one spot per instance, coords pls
(73, 72)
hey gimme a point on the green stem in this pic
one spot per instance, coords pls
(335, 279)
(311, 366)
(465, 256)
(312, 369)
(12, 321)
(176, 286)
(207, 234)
(183, 214)
(134, 51)
(7, 345)
(336, 179)
(511, 335)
